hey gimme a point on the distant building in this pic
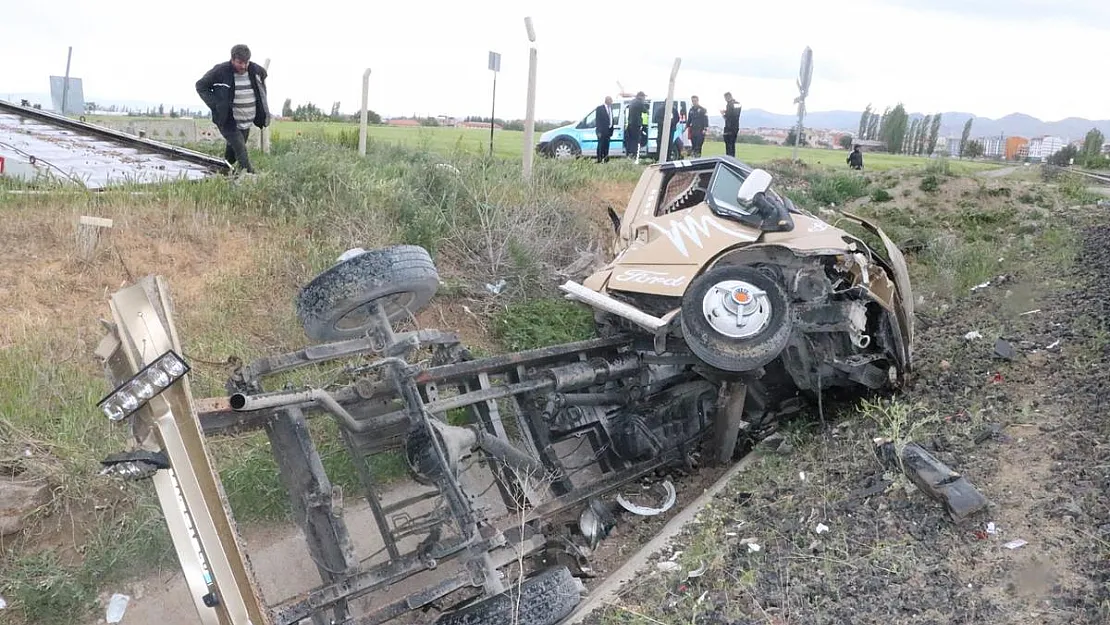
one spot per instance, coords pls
(1040, 148)
(1106, 148)
(1014, 148)
(403, 122)
(993, 147)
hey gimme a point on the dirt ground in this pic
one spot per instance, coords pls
(829, 534)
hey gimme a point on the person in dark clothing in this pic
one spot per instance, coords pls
(235, 92)
(603, 124)
(855, 159)
(697, 120)
(633, 125)
(658, 121)
(732, 123)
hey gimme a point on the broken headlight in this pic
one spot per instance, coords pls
(144, 386)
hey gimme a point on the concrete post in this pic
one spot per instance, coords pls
(363, 115)
(530, 109)
(665, 131)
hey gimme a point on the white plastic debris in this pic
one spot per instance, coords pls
(668, 503)
(698, 572)
(992, 528)
(349, 254)
(1015, 544)
(822, 528)
(3, 603)
(1054, 344)
(802, 475)
(496, 288)
(752, 547)
(974, 334)
(667, 566)
(116, 607)
(1030, 312)
(980, 286)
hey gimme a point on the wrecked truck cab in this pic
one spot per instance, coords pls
(745, 279)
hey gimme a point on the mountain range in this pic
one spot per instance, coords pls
(952, 123)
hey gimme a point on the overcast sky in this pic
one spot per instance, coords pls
(987, 57)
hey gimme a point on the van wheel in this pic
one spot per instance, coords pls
(565, 149)
(338, 304)
(736, 318)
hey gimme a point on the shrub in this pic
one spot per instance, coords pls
(881, 195)
(930, 183)
(836, 188)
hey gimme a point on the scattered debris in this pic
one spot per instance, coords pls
(753, 547)
(449, 167)
(1015, 544)
(991, 431)
(1030, 312)
(1003, 279)
(3, 603)
(116, 607)
(668, 566)
(698, 572)
(1054, 345)
(974, 334)
(668, 503)
(802, 475)
(822, 528)
(935, 479)
(992, 528)
(1103, 204)
(1003, 349)
(496, 288)
(980, 286)
(945, 365)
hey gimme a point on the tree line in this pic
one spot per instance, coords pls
(898, 132)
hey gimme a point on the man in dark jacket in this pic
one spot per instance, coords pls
(603, 124)
(855, 159)
(633, 128)
(672, 154)
(697, 120)
(235, 92)
(732, 124)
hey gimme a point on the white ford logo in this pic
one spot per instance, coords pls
(640, 276)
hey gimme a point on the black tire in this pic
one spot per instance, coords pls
(565, 148)
(335, 306)
(544, 599)
(730, 353)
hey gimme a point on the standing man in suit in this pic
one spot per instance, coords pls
(732, 124)
(603, 124)
(697, 120)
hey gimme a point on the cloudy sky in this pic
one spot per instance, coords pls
(988, 57)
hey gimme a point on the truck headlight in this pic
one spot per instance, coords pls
(144, 386)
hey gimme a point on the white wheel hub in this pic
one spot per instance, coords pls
(737, 309)
(563, 151)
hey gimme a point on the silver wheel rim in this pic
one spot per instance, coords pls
(563, 151)
(737, 309)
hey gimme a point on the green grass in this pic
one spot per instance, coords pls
(543, 322)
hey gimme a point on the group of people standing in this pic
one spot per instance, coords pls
(637, 122)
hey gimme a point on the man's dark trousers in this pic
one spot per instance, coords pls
(237, 147)
(697, 139)
(603, 147)
(730, 143)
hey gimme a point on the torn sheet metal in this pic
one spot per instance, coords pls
(37, 145)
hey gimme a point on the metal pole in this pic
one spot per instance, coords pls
(266, 129)
(65, 85)
(665, 131)
(362, 119)
(530, 107)
(493, 109)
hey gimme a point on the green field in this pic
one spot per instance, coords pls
(510, 143)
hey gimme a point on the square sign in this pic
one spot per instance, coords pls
(494, 62)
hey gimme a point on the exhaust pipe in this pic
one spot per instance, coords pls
(610, 305)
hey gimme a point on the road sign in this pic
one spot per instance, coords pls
(494, 62)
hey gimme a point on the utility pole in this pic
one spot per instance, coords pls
(805, 75)
(264, 137)
(665, 131)
(530, 108)
(363, 115)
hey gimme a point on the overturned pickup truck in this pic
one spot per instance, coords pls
(726, 308)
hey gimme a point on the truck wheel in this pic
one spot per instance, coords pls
(338, 304)
(543, 599)
(564, 148)
(736, 318)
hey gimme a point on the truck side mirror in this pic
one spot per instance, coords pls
(757, 182)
